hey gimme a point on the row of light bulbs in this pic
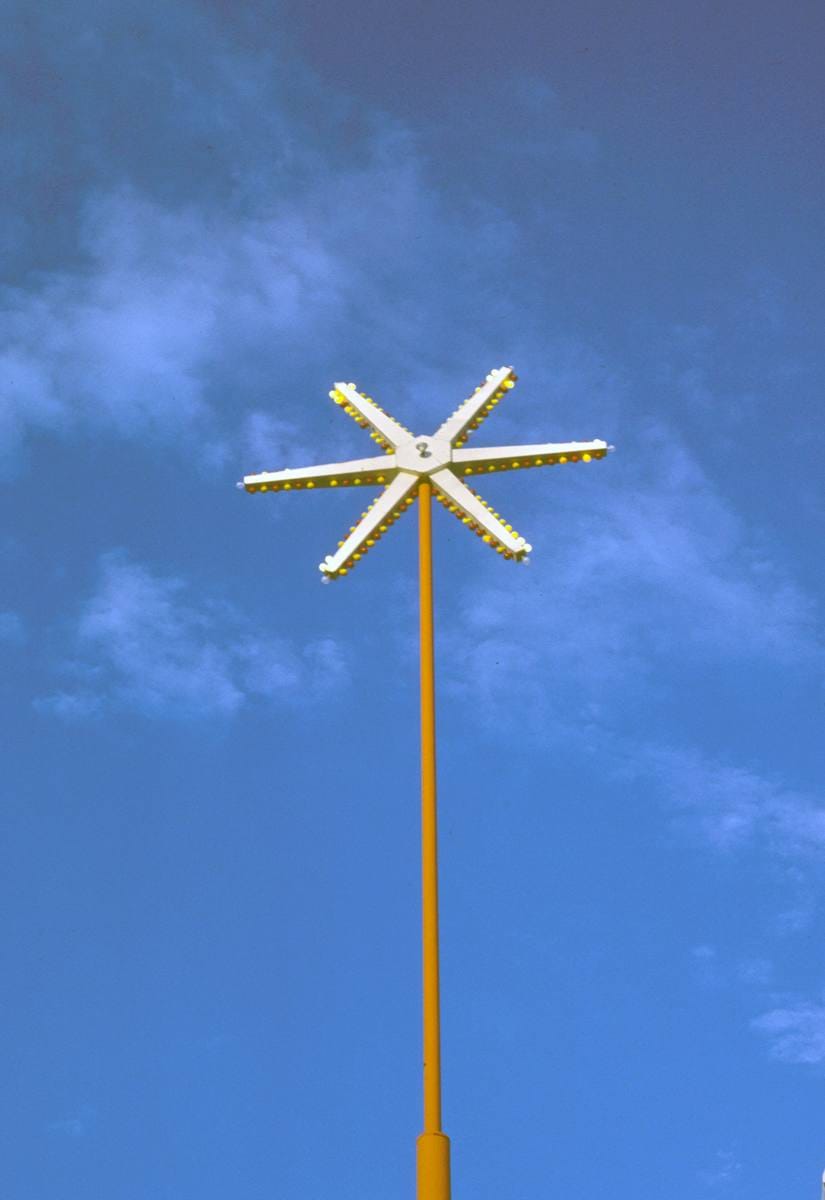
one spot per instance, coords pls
(549, 460)
(374, 537)
(479, 530)
(297, 484)
(509, 381)
(359, 418)
(364, 514)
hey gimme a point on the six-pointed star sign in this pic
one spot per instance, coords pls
(410, 460)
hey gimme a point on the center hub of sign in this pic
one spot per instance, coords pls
(423, 455)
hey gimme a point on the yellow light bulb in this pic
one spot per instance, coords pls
(562, 458)
(333, 483)
(586, 457)
(310, 483)
(343, 571)
(263, 487)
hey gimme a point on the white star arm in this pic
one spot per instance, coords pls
(384, 429)
(375, 522)
(506, 458)
(471, 510)
(359, 471)
(469, 415)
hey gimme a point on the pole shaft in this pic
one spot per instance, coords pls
(429, 828)
(433, 1145)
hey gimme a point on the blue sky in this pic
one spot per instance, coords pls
(210, 878)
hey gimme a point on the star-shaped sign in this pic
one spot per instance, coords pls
(410, 460)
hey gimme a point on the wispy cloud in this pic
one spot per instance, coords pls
(724, 1170)
(710, 970)
(645, 573)
(145, 644)
(199, 264)
(177, 318)
(795, 1033)
(76, 1126)
(732, 805)
(137, 342)
(12, 629)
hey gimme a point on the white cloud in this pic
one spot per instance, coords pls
(796, 1033)
(76, 1126)
(726, 1168)
(178, 323)
(70, 706)
(131, 344)
(733, 805)
(146, 645)
(12, 629)
(704, 965)
(646, 572)
(710, 970)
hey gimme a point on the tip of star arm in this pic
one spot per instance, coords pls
(472, 411)
(385, 431)
(510, 458)
(374, 522)
(479, 517)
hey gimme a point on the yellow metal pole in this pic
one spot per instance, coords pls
(433, 1146)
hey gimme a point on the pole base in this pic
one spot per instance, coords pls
(433, 1161)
